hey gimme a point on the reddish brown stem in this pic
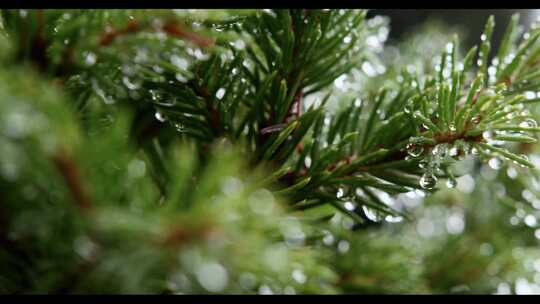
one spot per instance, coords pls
(69, 170)
(171, 28)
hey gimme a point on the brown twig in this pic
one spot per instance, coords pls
(171, 28)
(70, 172)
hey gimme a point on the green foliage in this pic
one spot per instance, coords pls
(149, 151)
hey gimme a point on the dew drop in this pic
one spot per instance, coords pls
(220, 93)
(414, 150)
(487, 135)
(343, 246)
(451, 183)
(349, 206)
(428, 181)
(179, 127)
(495, 163)
(212, 276)
(132, 85)
(528, 123)
(453, 152)
(159, 116)
(340, 193)
(299, 276)
(89, 58)
(407, 110)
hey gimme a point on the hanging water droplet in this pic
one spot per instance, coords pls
(428, 181)
(414, 150)
(299, 276)
(371, 214)
(349, 206)
(155, 95)
(451, 183)
(343, 246)
(132, 85)
(495, 163)
(528, 123)
(89, 58)
(407, 110)
(159, 116)
(157, 69)
(179, 62)
(393, 219)
(180, 78)
(525, 158)
(487, 135)
(438, 150)
(220, 93)
(453, 152)
(179, 127)
(340, 193)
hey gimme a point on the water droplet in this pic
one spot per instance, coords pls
(132, 85)
(158, 69)
(159, 116)
(428, 181)
(328, 238)
(299, 276)
(179, 127)
(85, 247)
(307, 161)
(179, 62)
(407, 110)
(343, 246)
(451, 183)
(371, 214)
(181, 78)
(528, 123)
(474, 151)
(89, 58)
(495, 163)
(452, 127)
(265, 290)
(340, 193)
(155, 95)
(475, 119)
(349, 206)
(487, 135)
(220, 93)
(212, 276)
(414, 150)
(393, 219)
(453, 152)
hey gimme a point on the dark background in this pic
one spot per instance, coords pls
(403, 21)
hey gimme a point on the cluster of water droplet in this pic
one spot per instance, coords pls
(433, 158)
